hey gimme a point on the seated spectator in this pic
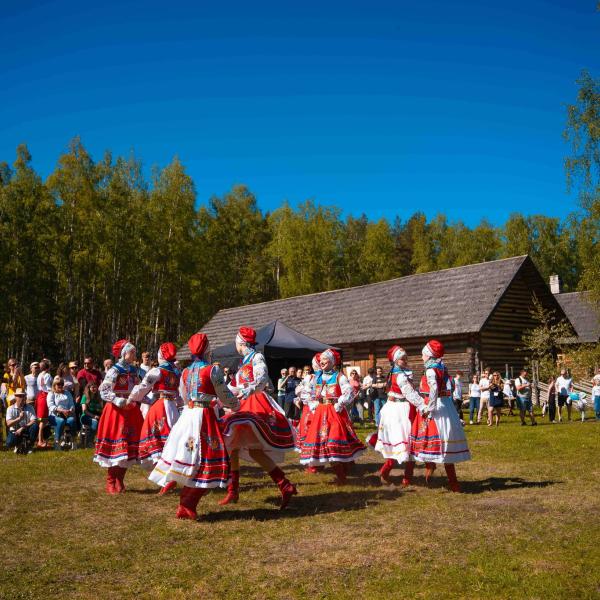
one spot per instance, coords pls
(20, 421)
(91, 407)
(61, 409)
(31, 382)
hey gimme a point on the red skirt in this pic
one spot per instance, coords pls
(330, 438)
(259, 424)
(195, 453)
(118, 438)
(155, 432)
(303, 426)
(41, 405)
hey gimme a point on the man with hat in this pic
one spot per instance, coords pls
(118, 438)
(194, 454)
(161, 384)
(437, 434)
(259, 431)
(20, 421)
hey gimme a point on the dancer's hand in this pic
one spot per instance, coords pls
(339, 406)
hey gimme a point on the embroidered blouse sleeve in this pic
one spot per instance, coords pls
(408, 391)
(217, 378)
(106, 387)
(433, 387)
(141, 390)
(261, 375)
(347, 392)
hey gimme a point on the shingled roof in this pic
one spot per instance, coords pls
(448, 302)
(583, 315)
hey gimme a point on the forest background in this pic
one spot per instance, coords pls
(97, 252)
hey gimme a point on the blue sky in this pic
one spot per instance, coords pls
(386, 107)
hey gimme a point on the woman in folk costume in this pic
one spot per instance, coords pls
(117, 441)
(195, 454)
(437, 435)
(162, 384)
(330, 437)
(306, 394)
(259, 431)
(396, 417)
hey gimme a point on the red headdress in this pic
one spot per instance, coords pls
(168, 351)
(395, 352)
(121, 347)
(247, 335)
(434, 349)
(198, 344)
(332, 355)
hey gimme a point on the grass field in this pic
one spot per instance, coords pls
(526, 526)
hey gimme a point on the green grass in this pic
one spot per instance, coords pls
(527, 526)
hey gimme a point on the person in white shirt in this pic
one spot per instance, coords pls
(509, 396)
(61, 407)
(20, 421)
(44, 385)
(484, 388)
(596, 395)
(564, 386)
(31, 382)
(474, 398)
(457, 395)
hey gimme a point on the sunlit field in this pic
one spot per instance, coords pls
(527, 525)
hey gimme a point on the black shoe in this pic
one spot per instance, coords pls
(534, 424)
(523, 423)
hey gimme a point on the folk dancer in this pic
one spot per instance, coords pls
(195, 454)
(118, 438)
(396, 417)
(330, 437)
(437, 434)
(259, 431)
(308, 404)
(161, 385)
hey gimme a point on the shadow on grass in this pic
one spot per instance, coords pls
(498, 484)
(302, 506)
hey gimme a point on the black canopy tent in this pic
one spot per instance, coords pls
(281, 345)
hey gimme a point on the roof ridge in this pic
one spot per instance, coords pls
(364, 285)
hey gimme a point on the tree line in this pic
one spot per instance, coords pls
(98, 251)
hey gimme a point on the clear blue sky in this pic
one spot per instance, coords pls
(386, 107)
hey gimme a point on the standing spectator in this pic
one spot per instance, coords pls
(551, 399)
(369, 391)
(380, 386)
(496, 399)
(13, 379)
(88, 374)
(44, 384)
(355, 382)
(20, 421)
(31, 382)
(145, 365)
(71, 381)
(474, 398)
(291, 383)
(484, 388)
(227, 376)
(564, 386)
(524, 397)
(596, 395)
(61, 409)
(509, 396)
(457, 395)
(108, 365)
(281, 388)
(91, 407)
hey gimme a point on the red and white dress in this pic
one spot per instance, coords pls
(330, 436)
(195, 454)
(306, 393)
(395, 419)
(163, 383)
(118, 438)
(44, 383)
(260, 424)
(438, 437)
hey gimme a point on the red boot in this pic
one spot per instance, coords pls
(429, 469)
(167, 488)
(312, 470)
(340, 473)
(452, 480)
(111, 478)
(119, 479)
(384, 473)
(409, 467)
(188, 502)
(286, 488)
(233, 489)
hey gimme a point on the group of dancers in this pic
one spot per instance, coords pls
(201, 447)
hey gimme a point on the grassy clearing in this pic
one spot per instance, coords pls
(527, 526)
